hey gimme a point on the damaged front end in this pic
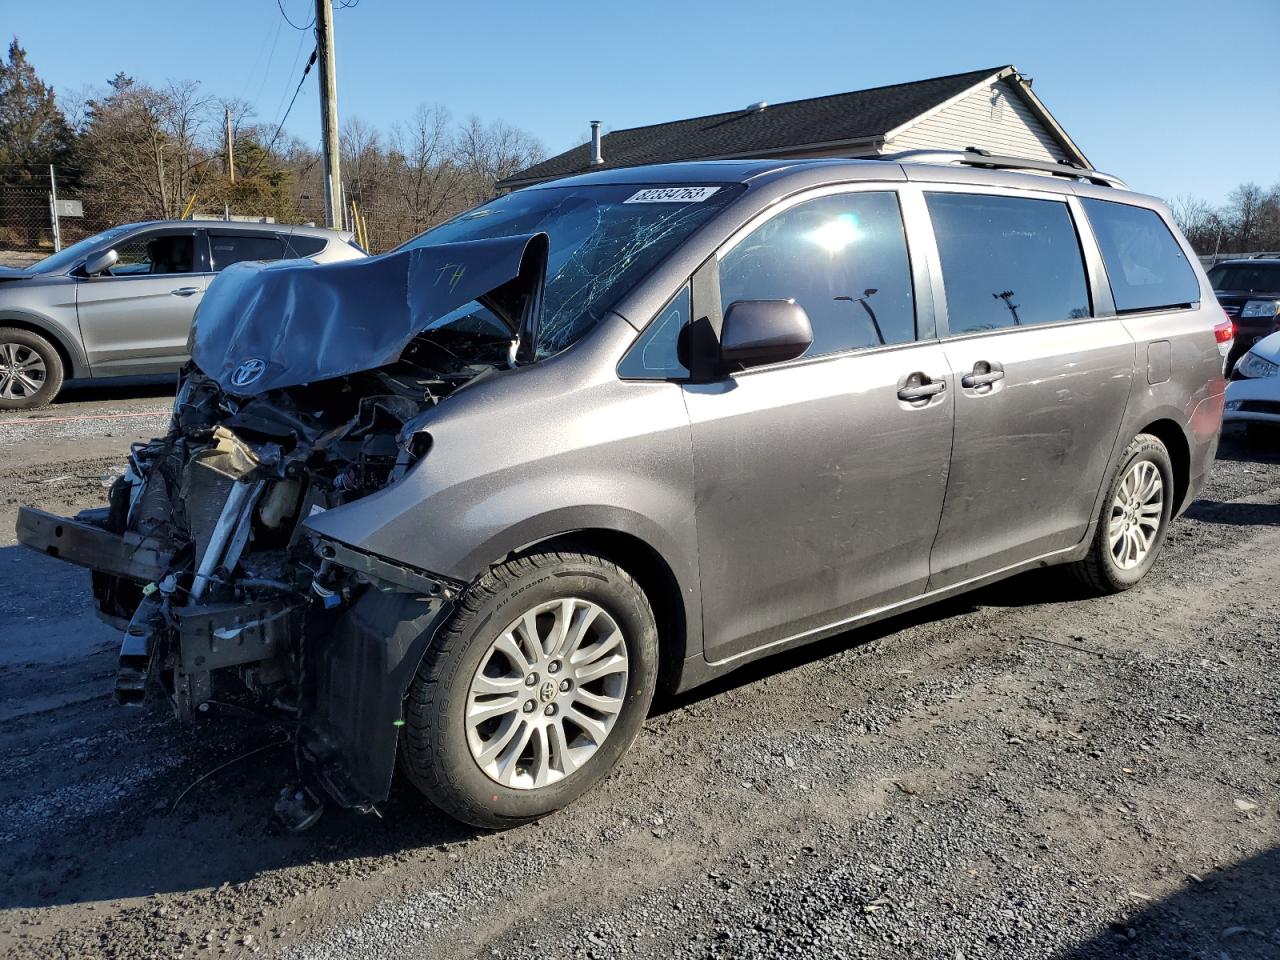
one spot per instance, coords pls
(202, 556)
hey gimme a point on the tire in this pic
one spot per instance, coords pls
(1111, 568)
(441, 751)
(38, 365)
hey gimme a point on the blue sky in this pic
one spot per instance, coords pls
(1176, 96)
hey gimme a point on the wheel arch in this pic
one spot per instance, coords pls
(74, 364)
(651, 571)
(1171, 434)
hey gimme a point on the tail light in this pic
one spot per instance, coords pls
(1225, 331)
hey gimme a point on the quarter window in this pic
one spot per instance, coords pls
(1007, 261)
(229, 248)
(299, 246)
(656, 352)
(843, 258)
(1145, 264)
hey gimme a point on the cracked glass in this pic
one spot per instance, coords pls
(601, 246)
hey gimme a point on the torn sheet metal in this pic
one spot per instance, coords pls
(267, 325)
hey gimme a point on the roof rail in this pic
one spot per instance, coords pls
(973, 157)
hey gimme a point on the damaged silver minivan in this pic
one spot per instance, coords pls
(465, 506)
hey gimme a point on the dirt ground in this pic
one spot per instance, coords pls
(1024, 772)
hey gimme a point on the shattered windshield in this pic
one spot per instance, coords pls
(604, 239)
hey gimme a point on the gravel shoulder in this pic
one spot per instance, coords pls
(1022, 772)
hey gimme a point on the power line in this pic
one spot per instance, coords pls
(297, 57)
(293, 100)
(266, 70)
(280, 4)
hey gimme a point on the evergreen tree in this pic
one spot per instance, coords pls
(33, 130)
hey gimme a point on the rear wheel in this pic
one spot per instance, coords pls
(1134, 519)
(533, 691)
(30, 369)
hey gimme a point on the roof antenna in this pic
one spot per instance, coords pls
(597, 157)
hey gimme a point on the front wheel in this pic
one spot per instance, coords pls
(30, 369)
(1134, 519)
(533, 691)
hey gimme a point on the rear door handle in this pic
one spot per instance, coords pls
(917, 390)
(984, 375)
(185, 291)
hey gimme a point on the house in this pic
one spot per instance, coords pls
(991, 109)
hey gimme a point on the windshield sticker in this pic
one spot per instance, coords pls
(671, 195)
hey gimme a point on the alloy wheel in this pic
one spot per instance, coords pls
(1136, 512)
(547, 693)
(22, 371)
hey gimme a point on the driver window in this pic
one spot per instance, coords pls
(841, 257)
(174, 253)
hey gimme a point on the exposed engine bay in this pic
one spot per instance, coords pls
(202, 560)
(202, 556)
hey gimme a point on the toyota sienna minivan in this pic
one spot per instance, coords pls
(464, 507)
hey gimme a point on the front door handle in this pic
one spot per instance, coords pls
(185, 291)
(984, 374)
(920, 387)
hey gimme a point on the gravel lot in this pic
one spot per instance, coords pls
(1024, 772)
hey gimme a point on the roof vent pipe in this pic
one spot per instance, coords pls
(597, 157)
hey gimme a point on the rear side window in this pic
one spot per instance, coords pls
(295, 247)
(1145, 264)
(1007, 261)
(843, 258)
(229, 248)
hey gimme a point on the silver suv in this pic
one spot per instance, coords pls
(120, 303)
(470, 503)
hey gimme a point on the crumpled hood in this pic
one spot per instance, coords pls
(267, 325)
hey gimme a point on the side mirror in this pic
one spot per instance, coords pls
(757, 332)
(101, 262)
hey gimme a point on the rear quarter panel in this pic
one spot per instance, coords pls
(1178, 370)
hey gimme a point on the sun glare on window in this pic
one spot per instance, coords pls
(834, 235)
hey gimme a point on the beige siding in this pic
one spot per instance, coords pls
(993, 117)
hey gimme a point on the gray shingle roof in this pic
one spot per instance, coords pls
(830, 119)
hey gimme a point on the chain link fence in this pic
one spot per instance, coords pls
(27, 229)
(26, 212)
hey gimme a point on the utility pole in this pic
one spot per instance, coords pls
(53, 210)
(328, 114)
(231, 147)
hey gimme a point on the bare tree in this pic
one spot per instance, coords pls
(138, 150)
(1244, 212)
(1196, 218)
(490, 152)
(427, 180)
(145, 145)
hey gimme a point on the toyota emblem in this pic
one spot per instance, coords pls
(248, 372)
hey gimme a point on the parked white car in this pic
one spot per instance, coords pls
(1253, 395)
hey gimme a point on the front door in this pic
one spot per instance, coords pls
(819, 482)
(1040, 385)
(136, 318)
